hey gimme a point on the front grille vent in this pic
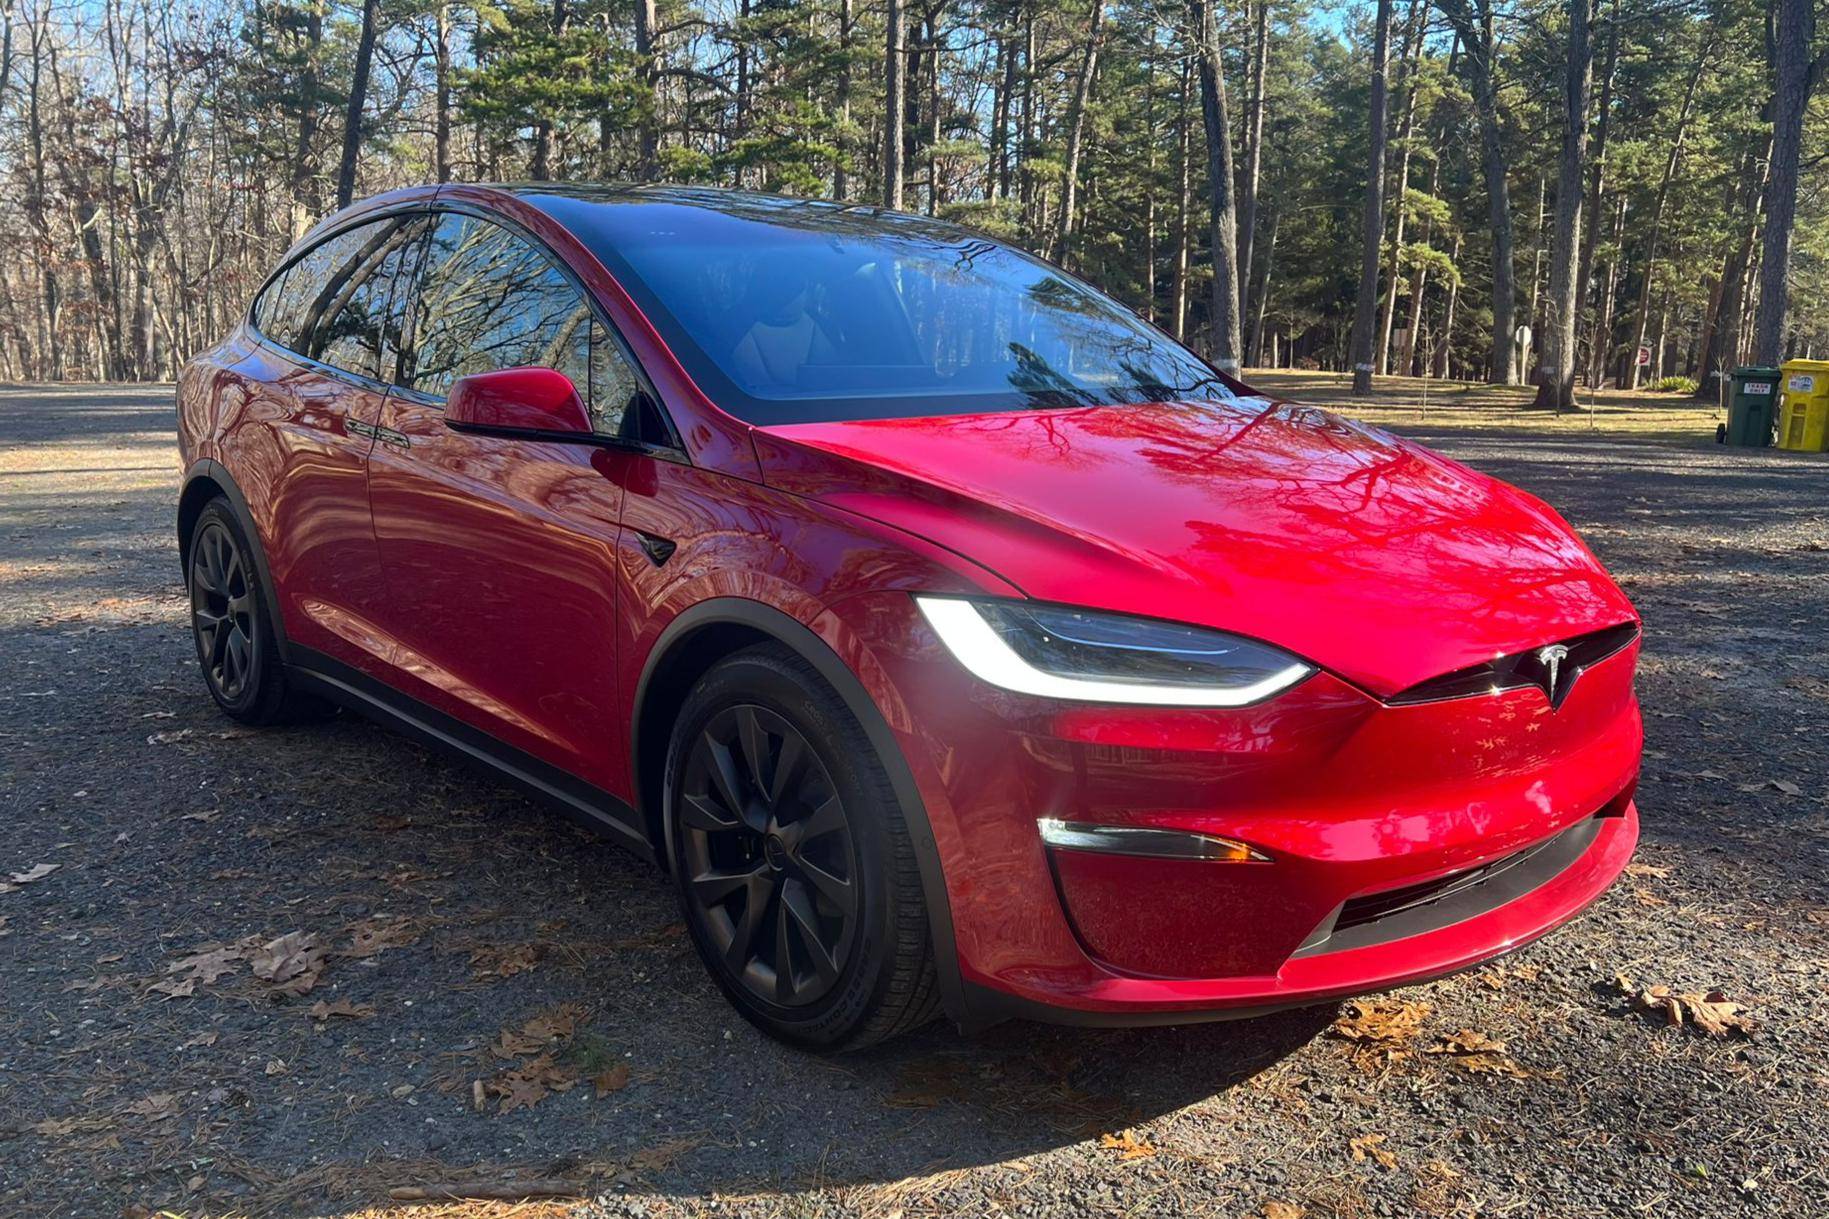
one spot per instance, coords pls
(1520, 669)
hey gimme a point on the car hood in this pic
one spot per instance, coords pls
(1362, 552)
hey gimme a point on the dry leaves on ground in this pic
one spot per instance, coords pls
(1128, 1145)
(36, 872)
(1381, 1021)
(1711, 1012)
(613, 1080)
(1475, 1052)
(1283, 1210)
(291, 964)
(159, 1107)
(324, 1010)
(504, 960)
(1371, 1147)
(530, 1079)
(373, 936)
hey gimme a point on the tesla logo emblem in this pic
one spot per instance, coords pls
(1549, 663)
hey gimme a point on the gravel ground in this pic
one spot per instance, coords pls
(274, 972)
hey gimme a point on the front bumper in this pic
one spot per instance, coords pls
(1358, 806)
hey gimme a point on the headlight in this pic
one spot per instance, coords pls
(1057, 652)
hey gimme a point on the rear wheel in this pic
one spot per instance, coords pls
(232, 625)
(794, 866)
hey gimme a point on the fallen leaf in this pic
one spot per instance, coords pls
(37, 871)
(526, 1085)
(201, 1039)
(1468, 1041)
(613, 1080)
(176, 988)
(504, 960)
(557, 1022)
(64, 1127)
(159, 1107)
(661, 1155)
(1371, 1147)
(376, 935)
(1647, 869)
(1711, 1012)
(401, 1092)
(1127, 1145)
(1381, 1021)
(276, 1066)
(207, 964)
(291, 963)
(325, 1010)
(1283, 1210)
(211, 816)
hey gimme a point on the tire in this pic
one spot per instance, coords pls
(783, 827)
(232, 626)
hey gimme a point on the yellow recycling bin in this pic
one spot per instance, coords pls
(1803, 421)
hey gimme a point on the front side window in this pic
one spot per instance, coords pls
(489, 299)
(791, 313)
(336, 303)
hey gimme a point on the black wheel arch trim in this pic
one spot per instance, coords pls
(793, 634)
(208, 469)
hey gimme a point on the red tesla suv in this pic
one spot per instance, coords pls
(956, 641)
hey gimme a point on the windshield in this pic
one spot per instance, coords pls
(804, 313)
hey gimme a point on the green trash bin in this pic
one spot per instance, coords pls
(1752, 406)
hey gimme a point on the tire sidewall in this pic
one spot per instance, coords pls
(261, 647)
(763, 678)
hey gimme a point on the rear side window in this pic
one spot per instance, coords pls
(336, 303)
(488, 299)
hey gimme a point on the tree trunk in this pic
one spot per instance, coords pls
(894, 101)
(1406, 131)
(1597, 178)
(1263, 291)
(647, 54)
(1372, 234)
(1556, 379)
(1446, 350)
(1076, 126)
(1675, 159)
(304, 159)
(1184, 205)
(1473, 21)
(1790, 36)
(358, 96)
(1254, 151)
(1222, 215)
(441, 94)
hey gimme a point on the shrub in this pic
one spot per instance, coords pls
(1674, 385)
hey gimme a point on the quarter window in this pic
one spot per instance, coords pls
(336, 303)
(488, 300)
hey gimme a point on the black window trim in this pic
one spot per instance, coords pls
(674, 451)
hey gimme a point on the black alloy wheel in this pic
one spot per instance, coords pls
(770, 867)
(222, 612)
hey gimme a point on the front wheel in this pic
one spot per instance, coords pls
(792, 858)
(231, 623)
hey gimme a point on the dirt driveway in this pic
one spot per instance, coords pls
(287, 972)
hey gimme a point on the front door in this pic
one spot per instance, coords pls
(317, 389)
(499, 552)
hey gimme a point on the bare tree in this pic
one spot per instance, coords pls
(1473, 21)
(1372, 236)
(1556, 371)
(358, 97)
(1790, 36)
(1222, 212)
(895, 99)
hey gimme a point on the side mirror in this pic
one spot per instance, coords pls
(518, 401)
